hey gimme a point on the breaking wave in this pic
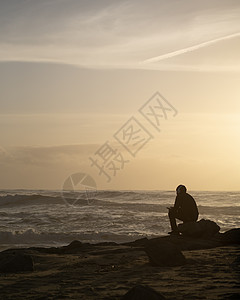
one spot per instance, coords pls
(52, 218)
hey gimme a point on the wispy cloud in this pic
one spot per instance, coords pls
(112, 34)
(46, 155)
(51, 155)
(189, 49)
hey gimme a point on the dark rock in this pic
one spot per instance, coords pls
(141, 292)
(209, 228)
(74, 244)
(190, 229)
(75, 247)
(19, 262)
(188, 243)
(202, 228)
(164, 254)
(137, 243)
(103, 244)
(231, 236)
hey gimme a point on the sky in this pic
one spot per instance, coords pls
(73, 73)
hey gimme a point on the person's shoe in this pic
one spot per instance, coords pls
(174, 232)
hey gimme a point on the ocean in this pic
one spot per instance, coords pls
(50, 218)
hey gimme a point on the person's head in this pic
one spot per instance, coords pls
(181, 189)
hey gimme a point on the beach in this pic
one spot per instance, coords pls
(109, 270)
(96, 249)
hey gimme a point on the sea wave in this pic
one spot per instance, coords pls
(35, 199)
(124, 200)
(31, 237)
(50, 217)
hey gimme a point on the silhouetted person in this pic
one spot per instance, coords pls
(185, 209)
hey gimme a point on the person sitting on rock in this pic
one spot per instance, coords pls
(185, 209)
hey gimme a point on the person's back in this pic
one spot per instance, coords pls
(185, 208)
(188, 206)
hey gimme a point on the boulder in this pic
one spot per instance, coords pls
(203, 228)
(231, 236)
(137, 243)
(19, 262)
(190, 229)
(164, 254)
(141, 292)
(74, 245)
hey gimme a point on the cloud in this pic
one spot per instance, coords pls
(50, 155)
(189, 49)
(110, 34)
(47, 155)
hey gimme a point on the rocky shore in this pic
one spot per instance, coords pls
(168, 267)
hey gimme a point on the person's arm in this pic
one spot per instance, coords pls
(177, 203)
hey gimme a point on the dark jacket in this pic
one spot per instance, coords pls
(186, 206)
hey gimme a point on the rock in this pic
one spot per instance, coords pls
(191, 229)
(203, 228)
(208, 228)
(73, 245)
(137, 243)
(141, 292)
(164, 254)
(16, 263)
(231, 236)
